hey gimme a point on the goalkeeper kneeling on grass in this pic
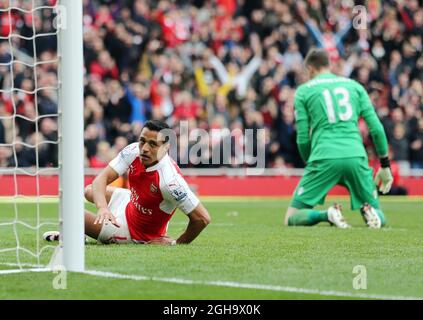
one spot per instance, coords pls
(327, 110)
(157, 188)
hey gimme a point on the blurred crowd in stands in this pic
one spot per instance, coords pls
(216, 64)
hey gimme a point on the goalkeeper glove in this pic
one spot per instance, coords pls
(384, 176)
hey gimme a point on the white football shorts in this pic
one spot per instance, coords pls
(117, 205)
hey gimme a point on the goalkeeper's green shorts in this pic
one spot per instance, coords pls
(321, 175)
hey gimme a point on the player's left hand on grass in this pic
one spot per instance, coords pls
(165, 240)
(104, 215)
(384, 180)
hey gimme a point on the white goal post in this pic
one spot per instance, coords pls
(72, 127)
(65, 24)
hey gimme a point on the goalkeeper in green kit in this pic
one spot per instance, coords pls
(327, 110)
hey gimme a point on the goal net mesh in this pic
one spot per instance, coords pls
(30, 123)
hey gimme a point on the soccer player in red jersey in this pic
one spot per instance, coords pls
(142, 213)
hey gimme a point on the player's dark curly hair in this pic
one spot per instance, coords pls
(157, 125)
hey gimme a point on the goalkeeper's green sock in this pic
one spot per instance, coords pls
(307, 217)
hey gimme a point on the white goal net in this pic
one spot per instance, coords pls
(32, 125)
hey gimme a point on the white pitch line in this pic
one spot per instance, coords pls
(33, 200)
(228, 284)
(2, 272)
(22, 265)
(231, 284)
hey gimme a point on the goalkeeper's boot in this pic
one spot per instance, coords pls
(336, 218)
(51, 236)
(370, 216)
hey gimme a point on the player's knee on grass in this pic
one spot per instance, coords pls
(292, 212)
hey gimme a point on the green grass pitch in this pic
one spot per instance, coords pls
(245, 253)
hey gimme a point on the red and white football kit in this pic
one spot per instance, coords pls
(143, 211)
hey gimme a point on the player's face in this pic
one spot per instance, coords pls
(152, 147)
